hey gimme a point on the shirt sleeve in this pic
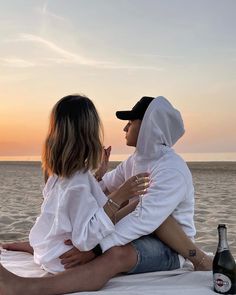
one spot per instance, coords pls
(166, 191)
(114, 179)
(89, 222)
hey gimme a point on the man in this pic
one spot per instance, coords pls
(154, 126)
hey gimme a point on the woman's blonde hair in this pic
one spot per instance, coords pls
(74, 140)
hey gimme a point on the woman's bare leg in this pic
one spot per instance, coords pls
(171, 233)
(88, 277)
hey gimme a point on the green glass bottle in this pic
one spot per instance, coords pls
(224, 266)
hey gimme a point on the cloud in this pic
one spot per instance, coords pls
(65, 57)
(70, 57)
(16, 62)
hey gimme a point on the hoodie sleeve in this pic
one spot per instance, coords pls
(89, 222)
(114, 179)
(166, 191)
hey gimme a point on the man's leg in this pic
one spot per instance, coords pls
(171, 233)
(153, 255)
(88, 277)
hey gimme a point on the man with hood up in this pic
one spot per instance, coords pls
(154, 127)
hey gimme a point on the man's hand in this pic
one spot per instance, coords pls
(75, 257)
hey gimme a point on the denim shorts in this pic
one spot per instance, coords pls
(153, 255)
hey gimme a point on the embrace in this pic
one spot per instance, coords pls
(96, 224)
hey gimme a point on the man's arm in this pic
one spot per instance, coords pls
(112, 180)
(75, 257)
(166, 191)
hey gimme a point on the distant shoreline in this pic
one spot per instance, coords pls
(188, 157)
(193, 165)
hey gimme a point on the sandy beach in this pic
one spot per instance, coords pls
(215, 190)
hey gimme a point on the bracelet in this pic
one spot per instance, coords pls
(110, 201)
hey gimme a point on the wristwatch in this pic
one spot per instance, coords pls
(97, 250)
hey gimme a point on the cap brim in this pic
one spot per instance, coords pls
(126, 115)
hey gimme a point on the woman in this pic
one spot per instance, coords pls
(74, 206)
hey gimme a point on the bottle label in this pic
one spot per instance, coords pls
(222, 283)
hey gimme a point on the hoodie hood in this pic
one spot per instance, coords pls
(161, 128)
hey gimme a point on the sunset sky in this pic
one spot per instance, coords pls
(115, 52)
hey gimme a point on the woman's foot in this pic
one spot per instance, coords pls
(18, 246)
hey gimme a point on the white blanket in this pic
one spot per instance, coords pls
(181, 282)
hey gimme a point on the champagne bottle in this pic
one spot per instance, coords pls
(224, 266)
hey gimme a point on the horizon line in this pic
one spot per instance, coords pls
(188, 157)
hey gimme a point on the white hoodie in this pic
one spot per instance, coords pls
(171, 190)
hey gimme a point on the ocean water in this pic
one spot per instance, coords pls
(21, 184)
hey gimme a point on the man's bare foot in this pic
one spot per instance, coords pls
(18, 246)
(205, 263)
(10, 284)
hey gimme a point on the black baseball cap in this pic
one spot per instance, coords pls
(137, 111)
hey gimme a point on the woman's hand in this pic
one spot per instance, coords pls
(135, 186)
(75, 257)
(102, 169)
(18, 246)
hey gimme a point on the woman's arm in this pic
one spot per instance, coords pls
(88, 222)
(126, 210)
(171, 233)
(134, 186)
(130, 188)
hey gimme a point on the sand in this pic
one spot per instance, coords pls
(21, 184)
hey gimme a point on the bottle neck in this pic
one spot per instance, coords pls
(223, 244)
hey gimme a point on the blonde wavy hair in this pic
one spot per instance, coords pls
(74, 140)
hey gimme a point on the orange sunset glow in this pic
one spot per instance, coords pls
(50, 50)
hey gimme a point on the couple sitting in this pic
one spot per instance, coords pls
(136, 218)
